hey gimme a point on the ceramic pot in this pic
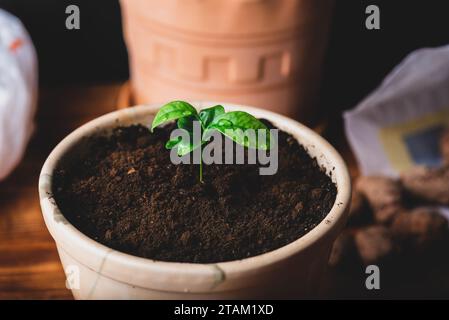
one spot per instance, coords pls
(256, 52)
(98, 272)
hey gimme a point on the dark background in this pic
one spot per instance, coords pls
(356, 61)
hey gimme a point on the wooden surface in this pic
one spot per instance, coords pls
(29, 263)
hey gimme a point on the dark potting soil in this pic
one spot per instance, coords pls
(127, 194)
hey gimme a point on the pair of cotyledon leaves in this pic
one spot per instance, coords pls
(231, 124)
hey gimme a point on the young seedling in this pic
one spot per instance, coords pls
(231, 124)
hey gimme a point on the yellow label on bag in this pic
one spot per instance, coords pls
(414, 142)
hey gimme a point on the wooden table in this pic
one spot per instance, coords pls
(29, 264)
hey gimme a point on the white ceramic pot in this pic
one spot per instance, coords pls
(98, 272)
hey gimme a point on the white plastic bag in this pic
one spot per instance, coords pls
(18, 91)
(399, 124)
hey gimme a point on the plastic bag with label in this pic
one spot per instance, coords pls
(399, 125)
(18, 91)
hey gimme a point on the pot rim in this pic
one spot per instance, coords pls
(69, 237)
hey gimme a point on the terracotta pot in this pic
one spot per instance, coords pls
(257, 52)
(292, 271)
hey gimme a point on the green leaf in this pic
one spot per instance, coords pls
(172, 111)
(235, 124)
(170, 144)
(209, 114)
(186, 123)
(185, 147)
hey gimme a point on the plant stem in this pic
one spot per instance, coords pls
(201, 149)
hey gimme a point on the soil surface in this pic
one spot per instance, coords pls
(127, 194)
